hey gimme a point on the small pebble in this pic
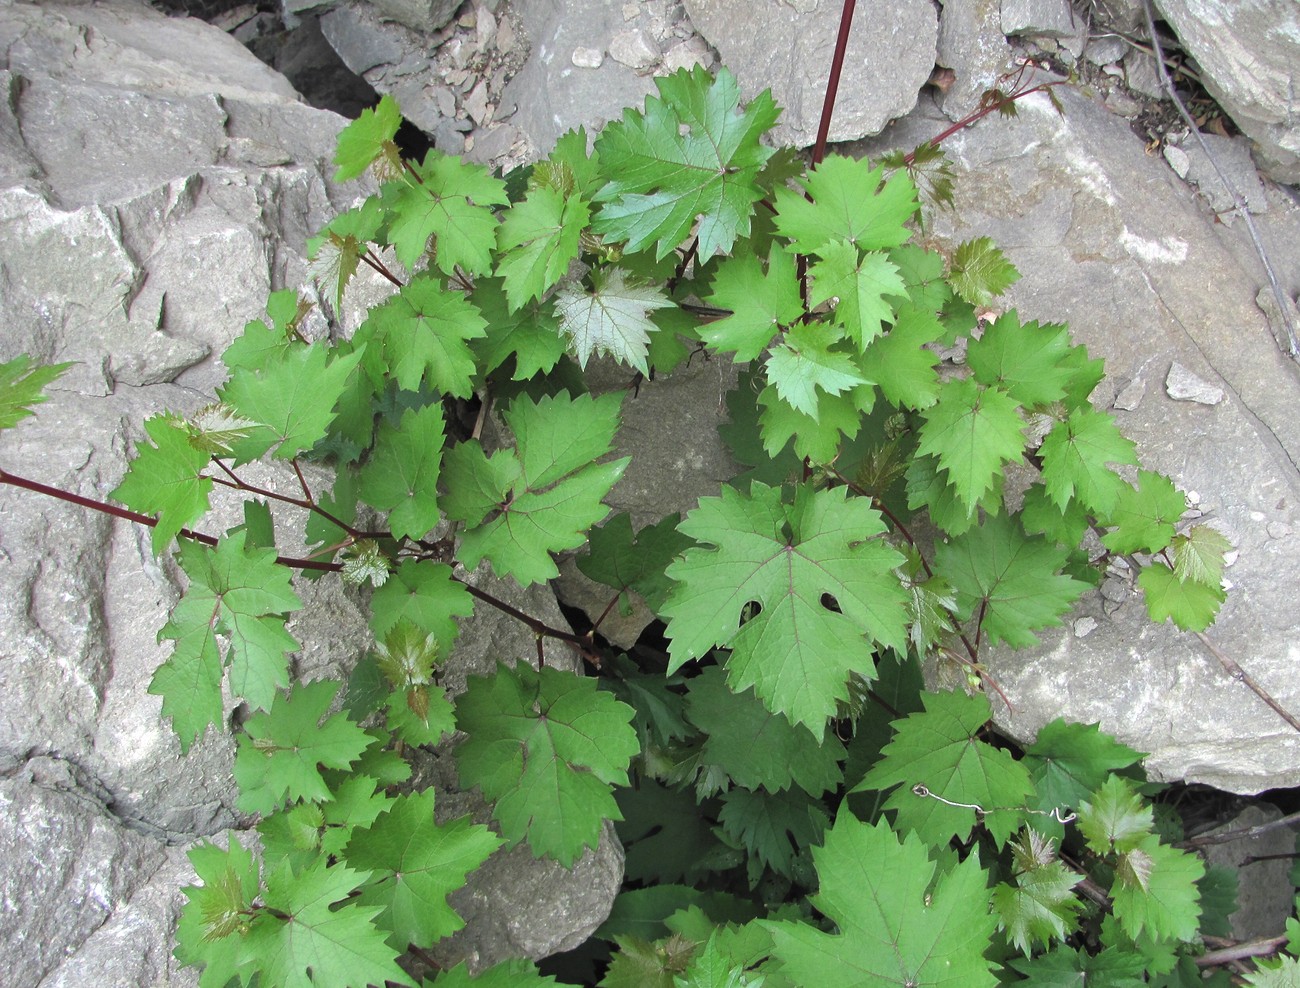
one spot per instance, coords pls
(1084, 627)
(1182, 385)
(1278, 530)
(1115, 590)
(588, 58)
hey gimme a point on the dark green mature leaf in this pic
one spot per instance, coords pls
(1076, 455)
(756, 747)
(641, 964)
(839, 418)
(973, 431)
(514, 973)
(425, 594)
(239, 593)
(848, 202)
(1065, 968)
(414, 864)
(856, 285)
(282, 751)
(548, 747)
(612, 318)
(521, 505)
(166, 479)
(537, 240)
(761, 302)
(772, 827)
(797, 652)
(366, 138)
(665, 836)
(1191, 605)
(1027, 360)
(898, 923)
(901, 363)
(448, 201)
(1068, 762)
(980, 271)
(292, 398)
(1011, 581)
(401, 475)
(530, 334)
(1144, 518)
(940, 750)
(22, 386)
(421, 335)
(693, 155)
(623, 561)
(312, 934)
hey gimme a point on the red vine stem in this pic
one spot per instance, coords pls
(833, 83)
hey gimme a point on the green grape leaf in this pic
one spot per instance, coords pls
(839, 417)
(1191, 605)
(803, 363)
(939, 748)
(216, 914)
(1116, 818)
(450, 201)
(21, 387)
(797, 652)
(401, 475)
(848, 202)
(929, 611)
(426, 595)
(692, 155)
(856, 285)
(1066, 968)
(1040, 907)
(980, 271)
(612, 318)
(760, 301)
(1284, 972)
(712, 968)
(641, 964)
(901, 363)
(513, 973)
(523, 504)
(414, 864)
(1075, 455)
(282, 751)
(531, 333)
(548, 747)
(1040, 515)
(166, 479)
(898, 924)
(771, 827)
(664, 835)
(1027, 360)
(1199, 555)
(238, 592)
(1068, 762)
(756, 747)
(366, 138)
(421, 335)
(537, 240)
(624, 561)
(1144, 517)
(1155, 891)
(337, 250)
(922, 273)
(926, 488)
(311, 933)
(1010, 581)
(973, 431)
(293, 398)
(216, 429)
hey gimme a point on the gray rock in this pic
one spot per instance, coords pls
(971, 44)
(552, 93)
(1247, 51)
(1230, 160)
(890, 56)
(1042, 18)
(1265, 895)
(1105, 49)
(1182, 385)
(1111, 240)
(636, 49)
(418, 15)
(1141, 74)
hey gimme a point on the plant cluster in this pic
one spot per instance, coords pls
(797, 808)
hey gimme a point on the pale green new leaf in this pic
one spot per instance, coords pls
(1190, 604)
(898, 924)
(1144, 518)
(1284, 972)
(1155, 891)
(537, 240)
(1076, 456)
(1199, 555)
(1040, 907)
(973, 431)
(22, 386)
(238, 593)
(856, 285)
(848, 202)
(366, 138)
(217, 913)
(166, 479)
(761, 302)
(548, 747)
(612, 318)
(797, 652)
(449, 203)
(1116, 818)
(803, 364)
(521, 505)
(401, 475)
(980, 271)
